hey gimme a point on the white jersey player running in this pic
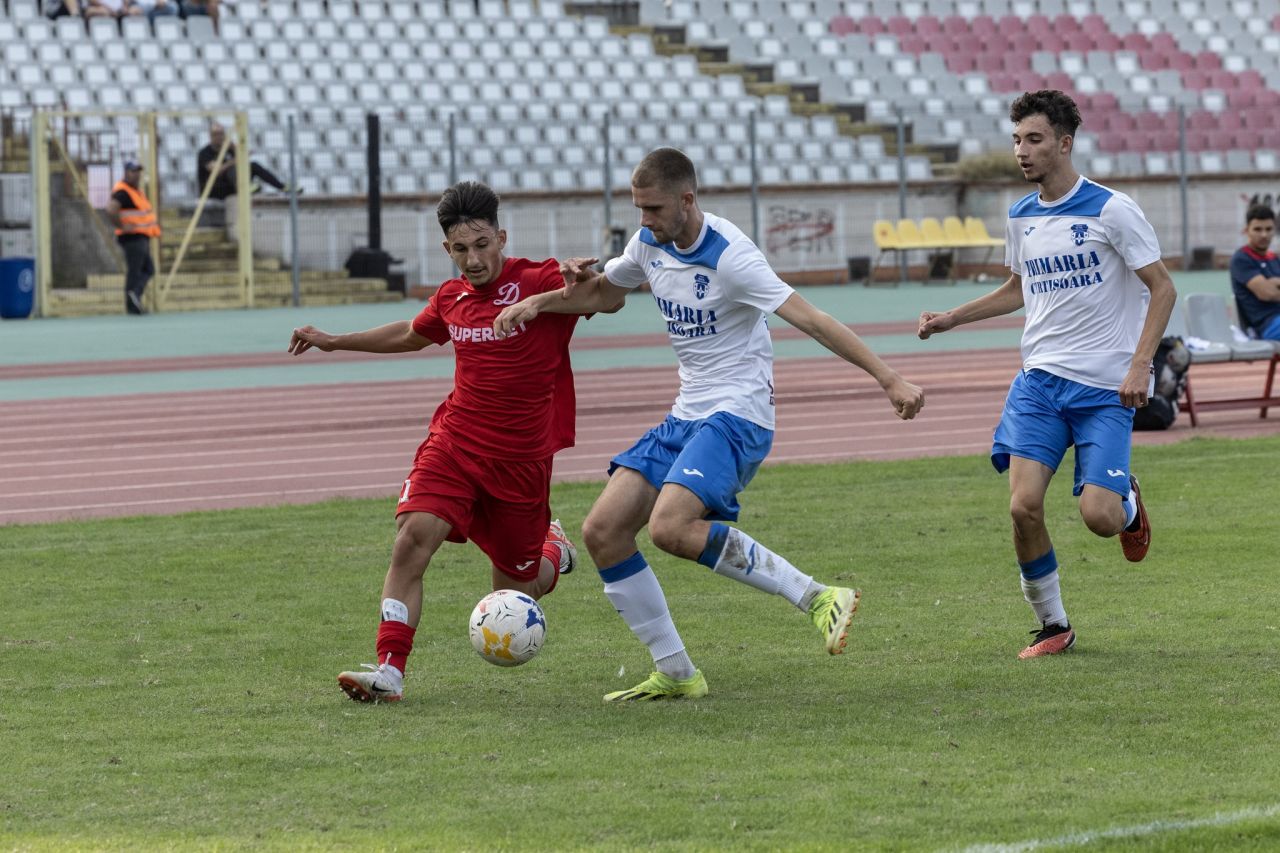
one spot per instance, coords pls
(715, 291)
(1086, 265)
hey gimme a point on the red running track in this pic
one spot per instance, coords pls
(170, 453)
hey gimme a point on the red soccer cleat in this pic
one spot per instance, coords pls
(1135, 543)
(1050, 640)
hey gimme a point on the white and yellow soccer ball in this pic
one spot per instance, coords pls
(507, 627)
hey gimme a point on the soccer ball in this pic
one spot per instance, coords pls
(507, 627)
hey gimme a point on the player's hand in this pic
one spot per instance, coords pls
(1133, 390)
(514, 316)
(575, 271)
(307, 337)
(931, 322)
(907, 399)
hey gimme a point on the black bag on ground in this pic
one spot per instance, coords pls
(1171, 362)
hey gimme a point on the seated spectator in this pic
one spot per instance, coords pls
(1255, 275)
(61, 9)
(111, 9)
(157, 8)
(207, 8)
(225, 182)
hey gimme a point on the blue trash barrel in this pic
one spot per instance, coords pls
(17, 287)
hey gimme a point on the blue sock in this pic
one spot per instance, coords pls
(715, 545)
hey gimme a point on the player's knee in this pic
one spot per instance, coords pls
(413, 549)
(672, 535)
(1101, 519)
(597, 535)
(1027, 514)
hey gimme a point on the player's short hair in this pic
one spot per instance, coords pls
(467, 201)
(1259, 211)
(1062, 113)
(668, 169)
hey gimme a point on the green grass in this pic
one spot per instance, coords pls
(169, 682)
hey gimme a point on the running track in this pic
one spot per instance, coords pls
(170, 453)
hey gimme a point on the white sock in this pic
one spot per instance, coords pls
(747, 561)
(1130, 505)
(641, 604)
(1045, 598)
(394, 611)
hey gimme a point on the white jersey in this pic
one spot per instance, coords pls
(716, 298)
(1084, 305)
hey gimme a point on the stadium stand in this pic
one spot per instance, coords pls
(825, 78)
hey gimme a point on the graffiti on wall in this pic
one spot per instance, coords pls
(797, 229)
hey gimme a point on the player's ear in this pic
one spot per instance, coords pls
(502, 238)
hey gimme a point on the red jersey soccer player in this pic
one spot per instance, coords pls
(484, 471)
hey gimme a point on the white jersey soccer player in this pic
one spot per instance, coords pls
(1085, 264)
(715, 291)
(1084, 303)
(716, 299)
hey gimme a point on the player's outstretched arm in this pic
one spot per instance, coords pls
(591, 293)
(907, 399)
(393, 337)
(1005, 299)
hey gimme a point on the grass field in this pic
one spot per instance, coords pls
(169, 682)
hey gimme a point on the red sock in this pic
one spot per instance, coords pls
(395, 642)
(551, 551)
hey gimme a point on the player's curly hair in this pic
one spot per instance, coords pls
(467, 201)
(1259, 211)
(1062, 113)
(668, 169)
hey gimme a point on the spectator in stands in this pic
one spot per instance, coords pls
(207, 8)
(111, 9)
(62, 9)
(136, 225)
(157, 8)
(1255, 275)
(225, 182)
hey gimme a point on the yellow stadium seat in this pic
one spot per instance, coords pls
(885, 236)
(977, 230)
(909, 236)
(956, 235)
(931, 231)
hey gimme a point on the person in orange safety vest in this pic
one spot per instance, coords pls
(136, 223)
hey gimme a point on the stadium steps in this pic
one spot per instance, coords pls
(104, 294)
(803, 98)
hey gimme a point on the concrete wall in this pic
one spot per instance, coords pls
(807, 233)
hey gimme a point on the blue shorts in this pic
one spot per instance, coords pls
(1045, 414)
(1270, 331)
(714, 458)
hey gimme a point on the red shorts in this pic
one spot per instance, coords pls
(502, 505)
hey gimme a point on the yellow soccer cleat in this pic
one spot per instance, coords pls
(658, 687)
(831, 611)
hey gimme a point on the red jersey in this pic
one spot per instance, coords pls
(512, 398)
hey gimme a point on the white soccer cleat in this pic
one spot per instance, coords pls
(568, 553)
(377, 685)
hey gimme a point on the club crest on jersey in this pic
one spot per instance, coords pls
(508, 294)
(1079, 233)
(656, 263)
(700, 283)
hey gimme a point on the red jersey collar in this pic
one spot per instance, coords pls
(1269, 256)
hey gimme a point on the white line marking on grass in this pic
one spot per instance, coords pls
(1156, 827)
